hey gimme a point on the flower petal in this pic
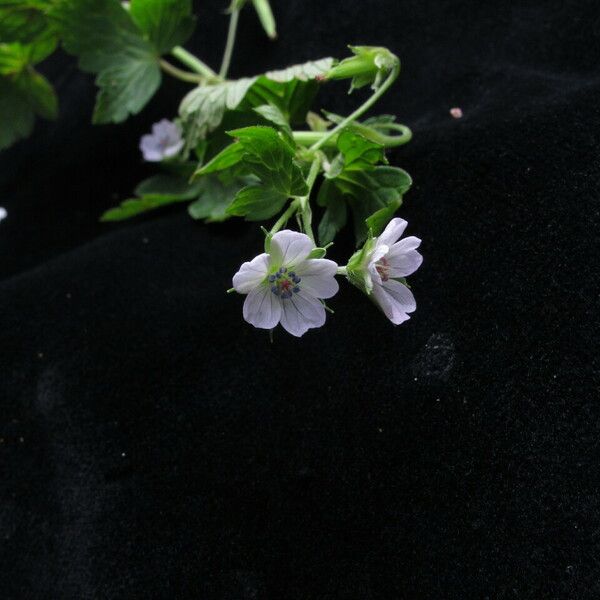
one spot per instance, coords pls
(290, 247)
(300, 313)
(150, 149)
(374, 273)
(166, 129)
(262, 308)
(395, 299)
(380, 251)
(405, 245)
(251, 274)
(403, 258)
(395, 228)
(318, 277)
(173, 149)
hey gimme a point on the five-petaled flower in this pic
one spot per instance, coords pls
(165, 141)
(285, 286)
(384, 263)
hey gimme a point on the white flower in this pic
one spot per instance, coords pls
(165, 141)
(380, 266)
(285, 285)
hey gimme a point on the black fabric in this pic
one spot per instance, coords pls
(153, 445)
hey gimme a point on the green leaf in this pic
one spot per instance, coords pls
(124, 90)
(369, 191)
(107, 41)
(335, 215)
(290, 90)
(377, 222)
(155, 192)
(228, 157)
(16, 57)
(257, 203)
(272, 113)
(216, 195)
(22, 20)
(271, 160)
(166, 185)
(136, 206)
(203, 108)
(307, 71)
(167, 23)
(16, 116)
(22, 96)
(39, 93)
(358, 152)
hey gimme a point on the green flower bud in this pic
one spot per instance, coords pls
(265, 14)
(357, 270)
(369, 65)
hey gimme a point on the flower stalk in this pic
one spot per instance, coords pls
(361, 110)
(230, 43)
(194, 63)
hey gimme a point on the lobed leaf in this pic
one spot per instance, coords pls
(257, 203)
(108, 42)
(367, 192)
(23, 20)
(271, 160)
(167, 23)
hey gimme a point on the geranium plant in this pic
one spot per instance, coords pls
(249, 147)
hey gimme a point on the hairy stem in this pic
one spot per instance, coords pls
(180, 74)
(305, 209)
(233, 23)
(371, 132)
(285, 216)
(360, 110)
(193, 63)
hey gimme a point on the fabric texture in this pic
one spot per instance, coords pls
(154, 445)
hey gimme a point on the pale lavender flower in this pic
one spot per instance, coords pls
(285, 285)
(165, 141)
(3, 213)
(380, 266)
(387, 261)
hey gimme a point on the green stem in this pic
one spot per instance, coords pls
(342, 270)
(305, 209)
(194, 63)
(390, 140)
(285, 216)
(360, 110)
(180, 74)
(301, 204)
(372, 132)
(233, 23)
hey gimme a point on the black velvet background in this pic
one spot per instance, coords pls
(153, 445)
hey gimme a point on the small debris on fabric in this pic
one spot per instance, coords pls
(3, 213)
(456, 112)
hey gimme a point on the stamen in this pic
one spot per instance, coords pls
(285, 284)
(383, 268)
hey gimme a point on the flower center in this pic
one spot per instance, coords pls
(383, 268)
(284, 283)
